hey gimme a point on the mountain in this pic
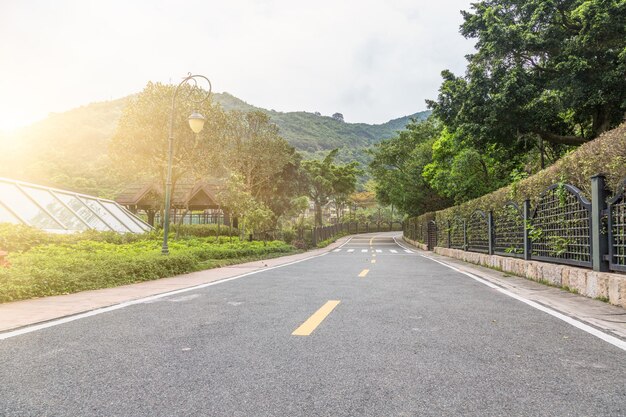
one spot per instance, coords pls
(69, 149)
(311, 132)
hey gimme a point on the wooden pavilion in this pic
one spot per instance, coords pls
(194, 201)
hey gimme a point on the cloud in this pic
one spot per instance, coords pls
(370, 60)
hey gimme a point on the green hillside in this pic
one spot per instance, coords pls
(69, 149)
(310, 132)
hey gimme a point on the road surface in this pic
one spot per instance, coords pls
(369, 329)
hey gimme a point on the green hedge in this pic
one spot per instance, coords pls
(18, 238)
(203, 230)
(606, 155)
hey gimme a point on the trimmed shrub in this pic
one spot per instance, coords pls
(203, 230)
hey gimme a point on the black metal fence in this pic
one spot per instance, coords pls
(508, 231)
(616, 225)
(314, 235)
(478, 229)
(563, 227)
(457, 238)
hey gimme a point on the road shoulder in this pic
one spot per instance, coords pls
(603, 316)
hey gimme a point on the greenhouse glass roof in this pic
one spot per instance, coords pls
(63, 211)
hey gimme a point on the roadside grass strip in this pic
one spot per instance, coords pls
(57, 269)
(316, 319)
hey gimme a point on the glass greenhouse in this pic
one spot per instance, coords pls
(63, 211)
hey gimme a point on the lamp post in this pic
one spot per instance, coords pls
(196, 123)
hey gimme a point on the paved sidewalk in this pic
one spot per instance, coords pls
(606, 317)
(28, 312)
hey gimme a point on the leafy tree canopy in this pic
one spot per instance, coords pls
(397, 166)
(324, 180)
(139, 147)
(554, 68)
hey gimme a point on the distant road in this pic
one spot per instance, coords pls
(369, 329)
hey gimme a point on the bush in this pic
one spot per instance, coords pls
(289, 235)
(203, 230)
(299, 244)
(18, 238)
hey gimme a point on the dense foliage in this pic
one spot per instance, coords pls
(553, 69)
(397, 167)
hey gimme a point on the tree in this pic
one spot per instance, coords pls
(397, 166)
(338, 116)
(324, 180)
(139, 147)
(266, 163)
(548, 69)
(460, 172)
(240, 203)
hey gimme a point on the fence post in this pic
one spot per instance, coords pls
(449, 234)
(367, 227)
(527, 220)
(314, 236)
(490, 231)
(599, 240)
(465, 245)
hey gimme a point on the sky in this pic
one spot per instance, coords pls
(370, 60)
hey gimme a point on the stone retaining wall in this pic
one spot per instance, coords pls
(586, 282)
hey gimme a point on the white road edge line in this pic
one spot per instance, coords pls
(63, 320)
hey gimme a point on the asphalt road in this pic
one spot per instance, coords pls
(410, 337)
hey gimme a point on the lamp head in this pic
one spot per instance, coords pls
(196, 121)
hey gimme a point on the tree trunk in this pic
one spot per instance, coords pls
(318, 214)
(601, 121)
(151, 214)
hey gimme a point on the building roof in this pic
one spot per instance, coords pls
(63, 211)
(192, 195)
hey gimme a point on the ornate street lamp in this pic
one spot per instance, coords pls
(196, 123)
